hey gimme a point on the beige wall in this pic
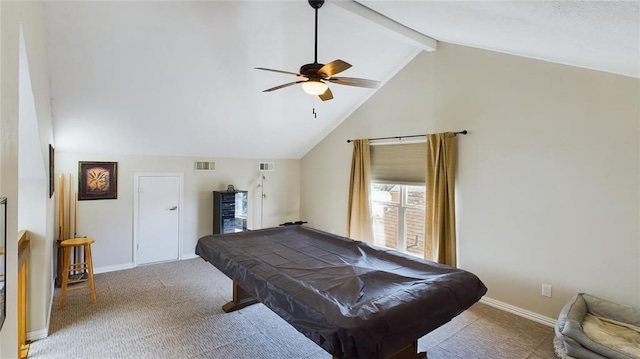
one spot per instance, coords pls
(111, 221)
(31, 16)
(548, 187)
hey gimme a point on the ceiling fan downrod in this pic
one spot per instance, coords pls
(316, 4)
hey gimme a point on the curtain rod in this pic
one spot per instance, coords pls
(464, 132)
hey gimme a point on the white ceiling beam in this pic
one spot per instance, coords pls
(406, 34)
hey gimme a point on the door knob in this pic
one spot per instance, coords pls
(173, 208)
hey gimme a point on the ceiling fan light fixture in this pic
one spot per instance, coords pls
(314, 87)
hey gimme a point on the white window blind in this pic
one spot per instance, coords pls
(399, 163)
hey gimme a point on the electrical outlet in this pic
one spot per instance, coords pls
(546, 290)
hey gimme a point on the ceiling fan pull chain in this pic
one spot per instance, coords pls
(313, 106)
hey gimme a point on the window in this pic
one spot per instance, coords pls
(398, 217)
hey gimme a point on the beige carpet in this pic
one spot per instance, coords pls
(173, 310)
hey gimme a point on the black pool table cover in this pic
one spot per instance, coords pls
(352, 299)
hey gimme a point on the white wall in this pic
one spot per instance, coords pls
(32, 214)
(548, 186)
(33, 197)
(31, 16)
(111, 221)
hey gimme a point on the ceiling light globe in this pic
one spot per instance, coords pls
(313, 87)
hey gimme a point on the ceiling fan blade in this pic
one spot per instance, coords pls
(283, 86)
(280, 71)
(351, 81)
(333, 68)
(327, 95)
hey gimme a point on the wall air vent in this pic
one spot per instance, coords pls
(204, 166)
(266, 166)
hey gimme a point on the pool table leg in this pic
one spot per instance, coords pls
(409, 351)
(241, 299)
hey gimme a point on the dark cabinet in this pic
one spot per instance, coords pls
(229, 211)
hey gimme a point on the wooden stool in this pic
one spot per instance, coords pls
(68, 267)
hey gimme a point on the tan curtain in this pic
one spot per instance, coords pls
(440, 229)
(359, 211)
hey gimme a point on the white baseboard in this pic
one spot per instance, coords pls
(113, 268)
(43, 333)
(38, 334)
(131, 265)
(519, 311)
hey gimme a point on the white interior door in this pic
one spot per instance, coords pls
(158, 218)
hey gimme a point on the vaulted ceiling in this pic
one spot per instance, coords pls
(178, 77)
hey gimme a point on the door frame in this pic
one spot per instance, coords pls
(136, 189)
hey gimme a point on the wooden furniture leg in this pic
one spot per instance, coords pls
(89, 260)
(241, 299)
(409, 351)
(23, 347)
(66, 255)
(23, 260)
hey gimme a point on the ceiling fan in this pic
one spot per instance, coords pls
(317, 75)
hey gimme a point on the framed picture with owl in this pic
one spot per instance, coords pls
(97, 180)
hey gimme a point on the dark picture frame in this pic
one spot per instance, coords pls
(52, 185)
(97, 180)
